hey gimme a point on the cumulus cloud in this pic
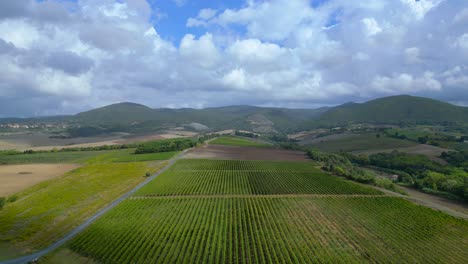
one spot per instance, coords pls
(406, 83)
(462, 41)
(371, 26)
(67, 56)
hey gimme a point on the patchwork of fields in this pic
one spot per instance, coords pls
(213, 211)
(45, 212)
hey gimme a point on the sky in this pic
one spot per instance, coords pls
(66, 56)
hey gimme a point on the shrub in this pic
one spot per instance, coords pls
(2, 202)
(12, 199)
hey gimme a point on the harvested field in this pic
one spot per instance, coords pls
(16, 178)
(244, 153)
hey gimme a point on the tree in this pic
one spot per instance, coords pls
(422, 140)
(2, 202)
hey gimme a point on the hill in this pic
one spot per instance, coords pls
(137, 118)
(130, 117)
(396, 109)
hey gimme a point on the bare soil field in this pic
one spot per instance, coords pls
(244, 153)
(16, 178)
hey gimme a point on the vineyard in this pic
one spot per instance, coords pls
(274, 230)
(250, 182)
(215, 211)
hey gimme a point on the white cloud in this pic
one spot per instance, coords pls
(371, 26)
(202, 51)
(268, 20)
(462, 41)
(412, 55)
(421, 7)
(235, 79)
(253, 50)
(20, 33)
(462, 16)
(207, 13)
(73, 55)
(203, 16)
(406, 83)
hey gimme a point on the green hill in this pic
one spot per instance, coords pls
(130, 117)
(137, 118)
(396, 109)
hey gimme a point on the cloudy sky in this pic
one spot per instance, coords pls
(62, 56)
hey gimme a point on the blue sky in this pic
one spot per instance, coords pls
(66, 56)
(170, 18)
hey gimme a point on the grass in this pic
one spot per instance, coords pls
(362, 142)
(47, 211)
(213, 180)
(238, 141)
(127, 155)
(83, 157)
(273, 230)
(51, 157)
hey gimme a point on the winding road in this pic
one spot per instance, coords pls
(84, 225)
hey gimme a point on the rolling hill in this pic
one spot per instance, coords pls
(394, 110)
(131, 117)
(137, 118)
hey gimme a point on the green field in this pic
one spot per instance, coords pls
(124, 155)
(211, 211)
(47, 211)
(274, 230)
(238, 141)
(51, 157)
(362, 142)
(254, 165)
(297, 178)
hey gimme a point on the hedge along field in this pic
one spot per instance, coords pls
(224, 182)
(273, 230)
(47, 211)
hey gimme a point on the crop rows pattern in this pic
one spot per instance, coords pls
(224, 182)
(274, 230)
(216, 211)
(251, 165)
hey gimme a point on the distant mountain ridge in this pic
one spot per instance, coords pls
(395, 109)
(135, 118)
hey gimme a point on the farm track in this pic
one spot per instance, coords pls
(240, 196)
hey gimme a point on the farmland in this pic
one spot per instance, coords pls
(245, 153)
(219, 211)
(248, 177)
(45, 212)
(238, 141)
(50, 157)
(273, 230)
(361, 142)
(16, 178)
